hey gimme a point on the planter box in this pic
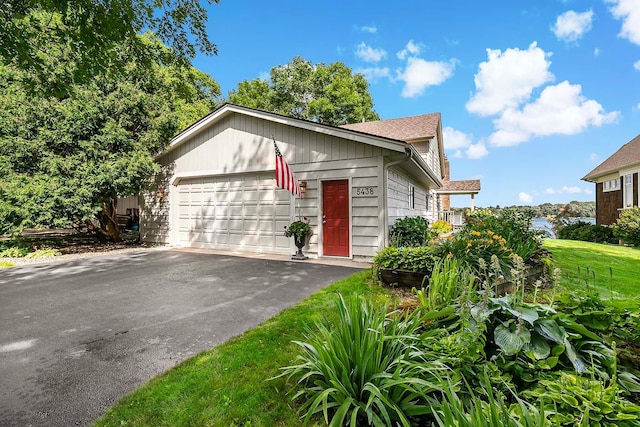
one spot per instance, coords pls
(404, 278)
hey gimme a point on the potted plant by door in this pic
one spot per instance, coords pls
(300, 230)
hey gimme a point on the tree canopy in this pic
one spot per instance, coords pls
(91, 34)
(64, 160)
(330, 94)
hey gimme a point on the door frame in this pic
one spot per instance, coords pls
(320, 210)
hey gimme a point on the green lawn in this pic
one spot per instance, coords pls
(613, 271)
(226, 386)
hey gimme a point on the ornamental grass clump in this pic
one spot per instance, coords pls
(368, 368)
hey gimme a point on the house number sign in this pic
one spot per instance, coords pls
(364, 191)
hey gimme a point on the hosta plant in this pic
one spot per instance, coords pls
(574, 400)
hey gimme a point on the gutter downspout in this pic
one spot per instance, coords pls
(408, 156)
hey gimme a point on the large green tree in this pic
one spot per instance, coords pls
(330, 94)
(92, 33)
(66, 160)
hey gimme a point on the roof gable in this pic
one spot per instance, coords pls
(226, 109)
(627, 155)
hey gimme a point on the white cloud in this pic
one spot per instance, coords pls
(369, 29)
(571, 26)
(454, 139)
(476, 151)
(568, 190)
(596, 52)
(560, 109)
(373, 74)
(638, 107)
(508, 78)
(593, 157)
(636, 65)
(411, 49)
(629, 12)
(524, 197)
(369, 54)
(458, 154)
(421, 74)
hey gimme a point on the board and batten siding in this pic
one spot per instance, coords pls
(367, 234)
(239, 145)
(154, 208)
(398, 196)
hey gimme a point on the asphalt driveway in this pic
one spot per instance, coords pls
(78, 335)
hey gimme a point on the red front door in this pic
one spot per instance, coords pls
(335, 218)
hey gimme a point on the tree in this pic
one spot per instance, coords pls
(92, 34)
(67, 160)
(329, 94)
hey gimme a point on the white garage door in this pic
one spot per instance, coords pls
(241, 212)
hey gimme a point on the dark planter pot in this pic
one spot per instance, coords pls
(300, 242)
(404, 278)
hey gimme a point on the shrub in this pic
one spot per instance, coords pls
(440, 227)
(447, 282)
(514, 226)
(627, 228)
(420, 259)
(14, 252)
(365, 369)
(587, 232)
(410, 231)
(469, 246)
(44, 253)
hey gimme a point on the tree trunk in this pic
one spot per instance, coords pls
(109, 230)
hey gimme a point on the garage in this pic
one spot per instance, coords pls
(239, 212)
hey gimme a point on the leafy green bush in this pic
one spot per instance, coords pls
(43, 253)
(627, 227)
(410, 231)
(574, 400)
(511, 224)
(447, 282)
(587, 232)
(491, 411)
(365, 369)
(14, 252)
(420, 259)
(440, 227)
(469, 246)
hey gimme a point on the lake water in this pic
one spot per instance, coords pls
(543, 224)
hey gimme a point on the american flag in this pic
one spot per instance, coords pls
(285, 178)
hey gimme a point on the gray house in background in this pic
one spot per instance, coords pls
(217, 187)
(616, 182)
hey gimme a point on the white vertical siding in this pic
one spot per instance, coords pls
(238, 145)
(398, 196)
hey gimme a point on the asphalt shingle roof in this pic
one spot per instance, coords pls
(403, 129)
(463, 185)
(627, 155)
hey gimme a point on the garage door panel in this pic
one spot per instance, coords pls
(242, 212)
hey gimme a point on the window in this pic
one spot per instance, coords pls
(611, 185)
(426, 200)
(628, 191)
(412, 197)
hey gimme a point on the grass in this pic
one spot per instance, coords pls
(5, 264)
(610, 270)
(227, 385)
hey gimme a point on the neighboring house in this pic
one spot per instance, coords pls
(217, 187)
(616, 182)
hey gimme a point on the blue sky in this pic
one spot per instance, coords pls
(533, 94)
